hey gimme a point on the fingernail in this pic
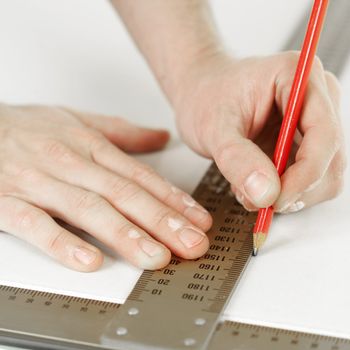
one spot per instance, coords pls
(85, 256)
(191, 237)
(239, 197)
(257, 186)
(150, 248)
(287, 204)
(294, 207)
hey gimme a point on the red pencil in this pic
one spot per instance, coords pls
(290, 120)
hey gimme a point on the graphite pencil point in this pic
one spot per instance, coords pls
(258, 240)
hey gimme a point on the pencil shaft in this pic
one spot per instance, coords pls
(296, 97)
(295, 102)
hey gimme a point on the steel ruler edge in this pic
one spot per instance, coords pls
(39, 320)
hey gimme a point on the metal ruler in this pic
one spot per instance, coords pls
(177, 307)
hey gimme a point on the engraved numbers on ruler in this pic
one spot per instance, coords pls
(202, 282)
(198, 289)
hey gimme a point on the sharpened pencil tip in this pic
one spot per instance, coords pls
(258, 240)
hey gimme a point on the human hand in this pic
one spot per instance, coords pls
(70, 165)
(231, 110)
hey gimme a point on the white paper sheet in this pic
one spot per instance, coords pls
(22, 265)
(300, 279)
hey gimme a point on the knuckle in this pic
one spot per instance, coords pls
(56, 150)
(84, 134)
(28, 219)
(56, 242)
(94, 139)
(142, 173)
(29, 175)
(291, 59)
(120, 232)
(167, 195)
(223, 153)
(87, 201)
(163, 216)
(123, 191)
(94, 136)
(226, 152)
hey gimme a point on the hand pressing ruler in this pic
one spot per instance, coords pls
(177, 307)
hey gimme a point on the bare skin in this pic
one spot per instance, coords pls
(61, 163)
(71, 165)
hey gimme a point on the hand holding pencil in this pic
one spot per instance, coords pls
(231, 110)
(291, 118)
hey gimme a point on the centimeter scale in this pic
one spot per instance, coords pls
(177, 307)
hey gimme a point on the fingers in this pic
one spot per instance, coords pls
(251, 173)
(62, 162)
(93, 214)
(329, 187)
(244, 201)
(38, 228)
(54, 169)
(120, 163)
(156, 218)
(110, 157)
(129, 137)
(334, 90)
(317, 172)
(111, 207)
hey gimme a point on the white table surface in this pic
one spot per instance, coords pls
(77, 53)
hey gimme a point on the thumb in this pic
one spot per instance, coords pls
(127, 136)
(250, 171)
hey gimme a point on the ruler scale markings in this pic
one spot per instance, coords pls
(231, 333)
(189, 298)
(61, 322)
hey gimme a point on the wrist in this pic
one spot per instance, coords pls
(179, 73)
(198, 98)
(200, 70)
